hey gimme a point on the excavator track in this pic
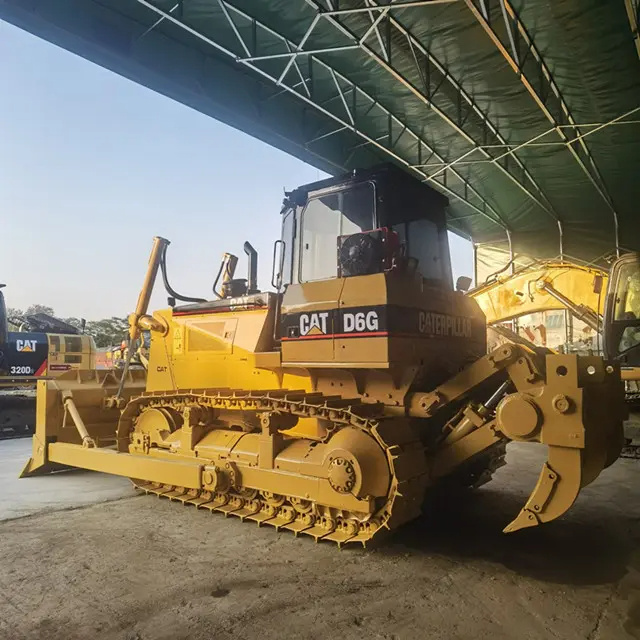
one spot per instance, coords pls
(631, 451)
(395, 436)
(17, 413)
(631, 448)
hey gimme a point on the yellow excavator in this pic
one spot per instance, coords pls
(334, 405)
(43, 346)
(541, 288)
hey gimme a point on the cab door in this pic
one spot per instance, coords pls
(622, 312)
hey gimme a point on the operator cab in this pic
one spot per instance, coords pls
(622, 312)
(361, 223)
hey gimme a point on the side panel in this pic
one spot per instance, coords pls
(380, 320)
(25, 354)
(216, 350)
(308, 321)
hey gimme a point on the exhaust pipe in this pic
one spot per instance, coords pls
(252, 281)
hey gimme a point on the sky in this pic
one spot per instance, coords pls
(92, 166)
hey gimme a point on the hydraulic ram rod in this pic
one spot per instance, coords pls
(580, 311)
(159, 245)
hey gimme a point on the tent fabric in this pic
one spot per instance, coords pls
(419, 86)
(492, 260)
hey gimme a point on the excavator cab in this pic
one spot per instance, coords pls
(621, 339)
(622, 312)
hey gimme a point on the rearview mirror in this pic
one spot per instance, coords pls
(463, 283)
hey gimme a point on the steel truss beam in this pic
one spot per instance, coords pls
(633, 13)
(347, 106)
(391, 6)
(513, 41)
(427, 76)
(593, 127)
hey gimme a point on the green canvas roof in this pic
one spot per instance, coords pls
(525, 114)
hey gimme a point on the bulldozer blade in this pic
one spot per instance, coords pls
(34, 468)
(89, 390)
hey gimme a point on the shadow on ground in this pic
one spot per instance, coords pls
(588, 547)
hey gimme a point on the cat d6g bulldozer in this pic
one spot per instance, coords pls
(332, 406)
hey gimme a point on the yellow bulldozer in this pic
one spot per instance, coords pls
(334, 405)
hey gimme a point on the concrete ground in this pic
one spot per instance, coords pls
(54, 492)
(140, 568)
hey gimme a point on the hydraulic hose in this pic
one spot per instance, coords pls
(170, 290)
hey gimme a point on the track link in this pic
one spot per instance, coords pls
(631, 450)
(403, 450)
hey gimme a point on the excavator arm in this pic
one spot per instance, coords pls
(544, 286)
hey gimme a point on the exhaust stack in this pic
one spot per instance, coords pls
(252, 281)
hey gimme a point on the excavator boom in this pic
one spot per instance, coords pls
(544, 286)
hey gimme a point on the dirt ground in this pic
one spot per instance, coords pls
(141, 568)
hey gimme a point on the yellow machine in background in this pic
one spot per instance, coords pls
(43, 347)
(562, 306)
(70, 353)
(554, 304)
(333, 406)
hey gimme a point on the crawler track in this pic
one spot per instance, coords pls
(17, 413)
(395, 436)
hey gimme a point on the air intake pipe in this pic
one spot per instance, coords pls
(252, 281)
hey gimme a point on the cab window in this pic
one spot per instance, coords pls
(627, 303)
(627, 306)
(289, 245)
(324, 219)
(73, 344)
(421, 240)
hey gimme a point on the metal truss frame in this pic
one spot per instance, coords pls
(633, 13)
(430, 76)
(299, 68)
(593, 127)
(513, 41)
(298, 71)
